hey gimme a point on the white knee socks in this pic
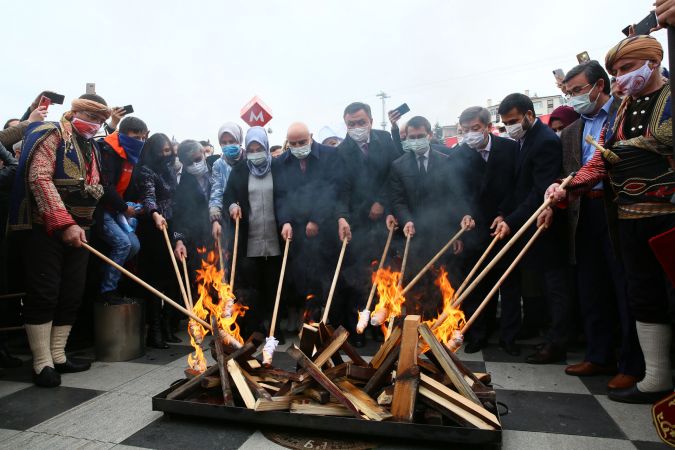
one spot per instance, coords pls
(655, 343)
(59, 339)
(39, 337)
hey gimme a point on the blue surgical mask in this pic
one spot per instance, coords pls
(301, 152)
(231, 151)
(582, 104)
(418, 146)
(258, 158)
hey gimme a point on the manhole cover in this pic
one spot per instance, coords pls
(316, 442)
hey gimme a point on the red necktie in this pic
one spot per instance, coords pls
(303, 165)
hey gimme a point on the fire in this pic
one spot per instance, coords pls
(217, 299)
(449, 329)
(390, 301)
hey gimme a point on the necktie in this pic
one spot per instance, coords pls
(303, 165)
(423, 169)
(364, 149)
(484, 154)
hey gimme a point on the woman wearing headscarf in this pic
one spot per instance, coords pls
(191, 205)
(230, 139)
(250, 197)
(153, 186)
(561, 118)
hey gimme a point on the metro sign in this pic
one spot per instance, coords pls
(256, 113)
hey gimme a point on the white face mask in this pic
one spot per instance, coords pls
(360, 135)
(257, 158)
(475, 139)
(418, 146)
(198, 169)
(301, 152)
(515, 131)
(632, 83)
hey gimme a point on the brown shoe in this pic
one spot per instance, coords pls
(622, 381)
(589, 369)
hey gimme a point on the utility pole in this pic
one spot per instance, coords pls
(384, 97)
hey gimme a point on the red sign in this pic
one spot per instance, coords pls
(663, 414)
(256, 113)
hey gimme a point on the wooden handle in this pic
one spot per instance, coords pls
(190, 305)
(281, 283)
(175, 266)
(145, 285)
(221, 262)
(381, 265)
(405, 259)
(233, 269)
(476, 266)
(433, 260)
(509, 244)
(324, 319)
(508, 271)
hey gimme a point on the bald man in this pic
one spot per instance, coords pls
(304, 200)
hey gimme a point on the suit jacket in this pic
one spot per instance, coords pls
(538, 165)
(572, 139)
(491, 181)
(236, 191)
(191, 213)
(364, 179)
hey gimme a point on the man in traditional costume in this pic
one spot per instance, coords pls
(55, 193)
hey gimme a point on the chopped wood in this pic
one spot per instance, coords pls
(484, 378)
(225, 386)
(433, 417)
(242, 385)
(428, 366)
(285, 389)
(309, 336)
(451, 410)
(386, 347)
(273, 374)
(447, 363)
(325, 337)
(462, 367)
(331, 346)
(269, 387)
(315, 372)
(386, 396)
(320, 395)
(359, 373)
(254, 364)
(407, 372)
(276, 403)
(364, 402)
(210, 382)
(458, 400)
(329, 409)
(257, 390)
(307, 381)
(382, 374)
(349, 350)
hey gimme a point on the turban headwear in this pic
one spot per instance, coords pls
(635, 47)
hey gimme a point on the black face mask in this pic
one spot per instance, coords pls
(168, 160)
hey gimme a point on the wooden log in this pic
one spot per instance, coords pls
(382, 373)
(484, 378)
(331, 346)
(325, 339)
(226, 388)
(428, 366)
(257, 390)
(463, 369)
(210, 382)
(386, 396)
(330, 409)
(386, 347)
(277, 403)
(316, 373)
(193, 383)
(273, 374)
(309, 336)
(407, 372)
(240, 381)
(446, 363)
(285, 389)
(320, 395)
(364, 402)
(331, 374)
(349, 350)
(459, 401)
(360, 373)
(269, 387)
(452, 411)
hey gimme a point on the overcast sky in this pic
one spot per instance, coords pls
(187, 67)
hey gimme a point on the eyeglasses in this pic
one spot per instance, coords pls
(576, 91)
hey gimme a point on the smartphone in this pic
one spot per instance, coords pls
(404, 108)
(128, 109)
(91, 88)
(45, 101)
(559, 75)
(645, 25)
(583, 57)
(56, 99)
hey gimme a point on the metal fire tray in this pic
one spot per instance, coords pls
(386, 429)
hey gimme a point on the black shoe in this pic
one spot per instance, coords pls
(634, 395)
(511, 348)
(48, 377)
(548, 354)
(8, 361)
(474, 346)
(71, 366)
(155, 341)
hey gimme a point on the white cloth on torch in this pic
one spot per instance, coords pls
(363, 321)
(456, 341)
(379, 316)
(229, 306)
(268, 350)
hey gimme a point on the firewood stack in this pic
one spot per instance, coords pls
(411, 378)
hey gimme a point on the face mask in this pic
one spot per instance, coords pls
(167, 160)
(582, 103)
(231, 151)
(85, 129)
(132, 147)
(360, 135)
(516, 131)
(198, 169)
(258, 158)
(632, 83)
(418, 146)
(474, 139)
(301, 152)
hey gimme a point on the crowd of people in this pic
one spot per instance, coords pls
(65, 185)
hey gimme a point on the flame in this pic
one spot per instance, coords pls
(390, 301)
(455, 319)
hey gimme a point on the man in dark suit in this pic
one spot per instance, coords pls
(591, 220)
(488, 165)
(304, 201)
(428, 199)
(538, 161)
(365, 157)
